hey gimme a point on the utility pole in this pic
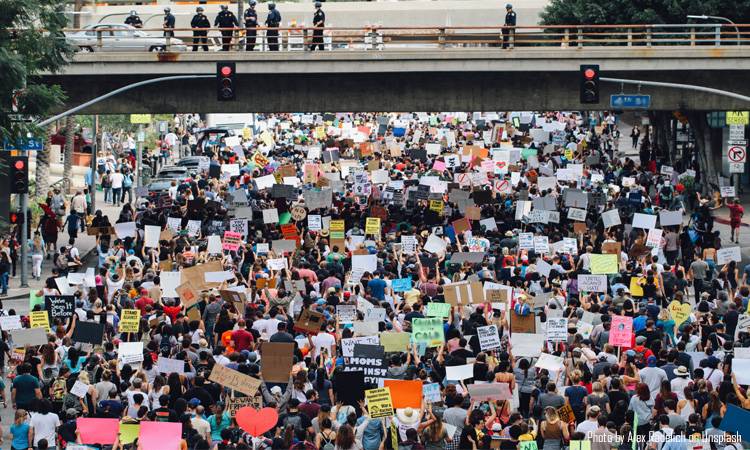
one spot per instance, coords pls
(139, 157)
(94, 151)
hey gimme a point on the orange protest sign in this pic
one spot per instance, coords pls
(405, 393)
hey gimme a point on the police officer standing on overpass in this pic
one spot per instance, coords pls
(251, 23)
(510, 24)
(134, 20)
(200, 25)
(226, 19)
(168, 24)
(319, 21)
(272, 22)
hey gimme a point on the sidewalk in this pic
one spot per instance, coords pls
(86, 246)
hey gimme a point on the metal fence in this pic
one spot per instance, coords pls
(108, 37)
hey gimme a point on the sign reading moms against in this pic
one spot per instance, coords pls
(379, 402)
(61, 306)
(369, 359)
(234, 379)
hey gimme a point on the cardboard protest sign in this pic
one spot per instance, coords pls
(62, 306)
(379, 402)
(309, 322)
(463, 293)
(196, 275)
(88, 332)
(621, 332)
(236, 403)
(130, 320)
(277, 359)
(188, 295)
(235, 380)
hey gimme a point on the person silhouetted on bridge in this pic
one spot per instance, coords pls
(319, 21)
(168, 24)
(200, 25)
(272, 21)
(510, 25)
(251, 23)
(227, 21)
(134, 20)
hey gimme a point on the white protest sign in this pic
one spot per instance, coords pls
(79, 389)
(526, 241)
(550, 362)
(577, 214)
(527, 344)
(169, 365)
(654, 238)
(611, 218)
(488, 337)
(459, 373)
(592, 283)
(647, 221)
(557, 329)
(725, 255)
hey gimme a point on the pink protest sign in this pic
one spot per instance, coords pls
(160, 435)
(98, 431)
(231, 241)
(621, 333)
(439, 166)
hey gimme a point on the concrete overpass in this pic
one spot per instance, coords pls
(469, 79)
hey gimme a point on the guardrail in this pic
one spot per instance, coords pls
(107, 37)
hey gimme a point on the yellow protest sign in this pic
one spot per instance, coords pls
(140, 118)
(569, 154)
(603, 264)
(437, 206)
(259, 160)
(40, 319)
(267, 139)
(130, 320)
(738, 118)
(372, 226)
(320, 132)
(379, 402)
(680, 311)
(247, 134)
(337, 229)
(395, 342)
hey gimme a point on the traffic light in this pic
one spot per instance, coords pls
(16, 218)
(589, 83)
(225, 81)
(19, 174)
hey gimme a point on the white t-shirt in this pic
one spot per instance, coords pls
(45, 426)
(117, 179)
(321, 340)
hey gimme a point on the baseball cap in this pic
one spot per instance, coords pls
(194, 402)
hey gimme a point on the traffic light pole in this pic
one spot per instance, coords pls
(690, 87)
(25, 235)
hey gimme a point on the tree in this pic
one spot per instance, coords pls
(42, 168)
(31, 42)
(70, 127)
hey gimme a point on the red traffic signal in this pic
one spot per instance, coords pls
(19, 165)
(19, 175)
(589, 74)
(225, 74)
(16, 218)
(589, 83)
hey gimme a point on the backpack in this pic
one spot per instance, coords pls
(59, 389)
(294, 421)
(328, 443)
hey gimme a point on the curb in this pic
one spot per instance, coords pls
(26, 295)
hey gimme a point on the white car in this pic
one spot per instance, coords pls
(118, 37)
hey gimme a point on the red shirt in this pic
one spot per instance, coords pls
(172, 312)
(736, 212)
(242, 339)
(141, 304)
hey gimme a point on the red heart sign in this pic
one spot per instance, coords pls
(256, 422)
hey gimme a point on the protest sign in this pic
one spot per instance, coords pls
(369, 359)
(592, 283)
(557, 329)
(395, 341)
(463, 293)
(489, 392)
(309, 322)
(604, 264)
(188, 295)
(347, 344)
(169, 365)
(428, 331)
(401, 284)
(527, 344)
(459, 373)
(375, 315)
(346, 313)
(379, 403)
(349, 387)
(234, 380)
(435, 309)
(234, 404)
(39, 319)
(28, 336)
(61, 306)
(8, 323)
(488, 336)
(130, 320)
(231, 241)
(621, 332)
(277, 358)
(727, 254)
(431, 392)
(405, 393)
(550, 362)
(88, 332)
(680, 312)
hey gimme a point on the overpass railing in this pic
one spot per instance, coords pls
(112, 38)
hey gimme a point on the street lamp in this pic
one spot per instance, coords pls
(705, 17)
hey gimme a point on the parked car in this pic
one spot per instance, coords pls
(192, 163)
(117, 37)
(172, 173)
